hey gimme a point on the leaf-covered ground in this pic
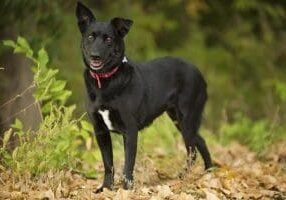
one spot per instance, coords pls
(240, 175)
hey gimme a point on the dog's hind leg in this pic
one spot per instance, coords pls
(176, 116)
(190, 120)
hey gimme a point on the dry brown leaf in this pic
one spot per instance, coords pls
(225, 191)
(122, 194)
(107, 193)
(238, 195)
(164, 191)
(74, 193)
(48, 195)
(269, 179)
(184, 196)
(212, 183)
(210, 195)
(145, 190)
(155, 198)
(5, 194)
(16, 195)
(59, 191)
(34, 194)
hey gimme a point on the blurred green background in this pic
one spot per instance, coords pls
(239, 45)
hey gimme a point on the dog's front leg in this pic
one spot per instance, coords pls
(105, 145)
(130, 148)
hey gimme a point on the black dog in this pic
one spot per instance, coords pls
(125, 97)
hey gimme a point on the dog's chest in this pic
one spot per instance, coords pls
(105, 114)
(112, 119)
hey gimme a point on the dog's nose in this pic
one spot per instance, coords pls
(95, 56)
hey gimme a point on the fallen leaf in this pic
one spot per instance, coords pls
(164, 191)
(184, 196)
(122, 194)
(210, 195)
(48, 195)
(145, 190)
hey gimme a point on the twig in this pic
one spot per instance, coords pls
(274, 121)
(23, 110)
(40, 112)
(17, 96)
(2, 181)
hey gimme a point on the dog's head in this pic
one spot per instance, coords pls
(102, 42)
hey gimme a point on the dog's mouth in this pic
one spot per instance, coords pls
(96, 64)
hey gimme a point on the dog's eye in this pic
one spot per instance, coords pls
(90, 38)
(108, 40)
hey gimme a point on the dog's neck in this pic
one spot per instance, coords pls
(99, 76)
(105, 75)
(112, 86)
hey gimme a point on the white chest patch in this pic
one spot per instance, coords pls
(124, 60)
(105, 117)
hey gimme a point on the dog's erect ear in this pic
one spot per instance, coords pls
(84, 16)
(121, 25)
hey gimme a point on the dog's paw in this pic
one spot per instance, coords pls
(127, 184)
(211, 169)
(100, 188)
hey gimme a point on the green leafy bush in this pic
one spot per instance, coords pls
(61, 141)
(49, 90)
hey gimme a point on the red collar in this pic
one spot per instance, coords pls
(104, 75)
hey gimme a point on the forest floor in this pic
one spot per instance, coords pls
(239, 175)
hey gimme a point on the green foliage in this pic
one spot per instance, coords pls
(49, 90)
(161, 134)
(21, 46)
(280, 90)
(257, 135)
(61, 141)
